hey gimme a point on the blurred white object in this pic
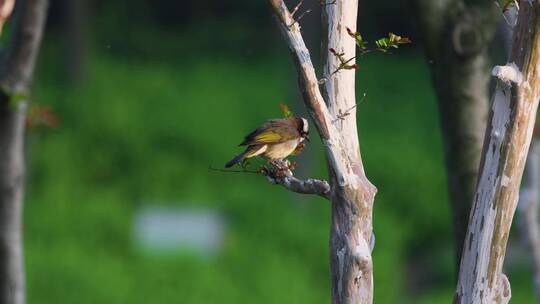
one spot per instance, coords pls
(528, 207)
(176, 230)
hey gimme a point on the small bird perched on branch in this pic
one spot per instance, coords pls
(274, 140)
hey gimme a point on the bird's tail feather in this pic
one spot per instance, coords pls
(238, 158)
(250, 152)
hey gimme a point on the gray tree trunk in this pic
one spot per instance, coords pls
(529, 195)
(16, 69)
(11, 195)
(456, 37)
(351, 192)
(506, 144)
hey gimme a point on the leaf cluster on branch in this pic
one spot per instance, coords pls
(383, 45)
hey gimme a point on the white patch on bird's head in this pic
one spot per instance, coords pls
(305, 125)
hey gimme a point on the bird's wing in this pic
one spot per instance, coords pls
(272, 132)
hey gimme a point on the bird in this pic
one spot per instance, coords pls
(274, 140)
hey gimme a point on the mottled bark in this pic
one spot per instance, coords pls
(456, 37)
(352, 203)
(351, 192)
(506, 144)
(16, 69)
(529, 194)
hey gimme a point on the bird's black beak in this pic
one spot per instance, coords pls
(306, 137)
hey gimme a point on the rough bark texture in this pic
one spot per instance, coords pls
(456, 36)
(351, 192)
(529, 195)
(308, 186)
(528, 207)
(506, 144)
(16, 69)
(352, 202)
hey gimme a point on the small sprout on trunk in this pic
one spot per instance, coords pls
(360, 42)
(382, 45)
(344, 63)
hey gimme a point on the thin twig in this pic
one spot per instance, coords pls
(299, 17)
(281, 174)
(341, 116)
(210, 168)
(297, 7)
(303, 14)
(362, 53)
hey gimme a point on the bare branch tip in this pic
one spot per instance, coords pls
(281, 174)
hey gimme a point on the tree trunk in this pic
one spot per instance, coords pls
(506, 144)
(11, 195)
(529, 194)
(351, 193)
(16, 70)
(352, 202)
(456, 36)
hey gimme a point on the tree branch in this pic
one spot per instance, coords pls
(306, 73)
(352, 194)
(16, 70)
(506, 144)
(309, 186)
(18, 60)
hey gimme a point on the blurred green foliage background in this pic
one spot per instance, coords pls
(169, 89)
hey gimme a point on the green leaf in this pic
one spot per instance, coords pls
(360, 42)
(392, 41)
